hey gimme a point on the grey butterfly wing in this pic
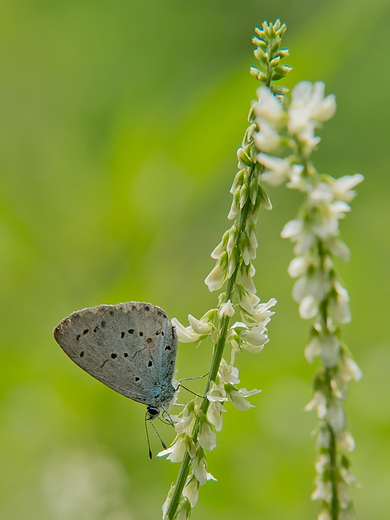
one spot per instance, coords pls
(130, 347)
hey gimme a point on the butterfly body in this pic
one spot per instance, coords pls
(130, 347)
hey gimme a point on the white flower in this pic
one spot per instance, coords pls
(297, 182)
(346, 514)
(315, 285)
(253, 239)
(262, 312)
(184, 512)
(308, 138)
(254, 339)
(330, 348)
(338, 208)
(338, 305)
(238, 398)
(216, 253)
(238, 325)
(184, 424)
(211, 477)
(308, 107)
(296, 232)
(226, 309)
(216, 278)
(292, 229)
(322, 108)
(338, 387)
(307, 110)
(336, 416)
(346, 441)
(214, 414)
(324, 515)
(176, 451)
(199, 326)
(325, 225)
(228, 374)
(321, 193)
(216, 397)
(324, 438)
(232, 263)
(338, 248)
(185, 334)
(248, 301)
(298, 266)
(199, 467)
(206, 437)
(267, 139)
(322, 463)
(167, 501)
(245, 279)
(234, 208)
(308, 307)
(191, 491)
(313, 349)
(233, 235)
(342, 187)
(318, 402)
(323, 491)
(277, 169)
(268, 108)
(349, 369)
(347, 476)
(343, 495)
(257, 311)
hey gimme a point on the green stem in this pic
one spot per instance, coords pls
(334, 505)
(216, 361)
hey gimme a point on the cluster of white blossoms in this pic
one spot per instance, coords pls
(250, 334)
(197, 424)
(287, 138)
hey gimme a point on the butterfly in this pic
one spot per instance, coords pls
(130, 347)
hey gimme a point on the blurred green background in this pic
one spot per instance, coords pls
(119, 127)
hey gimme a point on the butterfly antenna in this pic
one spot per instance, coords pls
(159, 436)
(147, 438)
